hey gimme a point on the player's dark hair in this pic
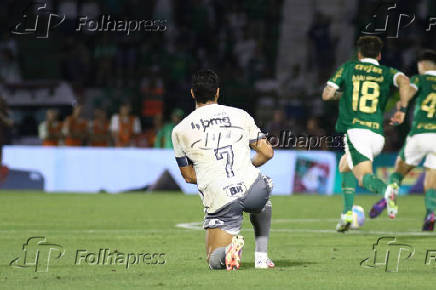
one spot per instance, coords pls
(204, 85)
(369, 46)
(428, 54)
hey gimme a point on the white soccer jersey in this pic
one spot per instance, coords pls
(216, 138)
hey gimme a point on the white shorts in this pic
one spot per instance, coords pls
(419, 146)
(362, 145)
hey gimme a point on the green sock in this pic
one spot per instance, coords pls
(430, 200)
(374, 184)
(349, 183)
(396, 177)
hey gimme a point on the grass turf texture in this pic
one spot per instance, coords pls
(307, 253)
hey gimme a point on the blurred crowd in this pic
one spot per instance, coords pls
(121, 130)
(151, 71)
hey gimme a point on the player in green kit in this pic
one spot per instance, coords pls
(421, 141)
(366, 86)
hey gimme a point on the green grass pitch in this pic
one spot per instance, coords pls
(307, 252)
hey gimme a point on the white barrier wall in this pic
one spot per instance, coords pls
(87, 169)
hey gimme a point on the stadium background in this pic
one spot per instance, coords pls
(273, 58)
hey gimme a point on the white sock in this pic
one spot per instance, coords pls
(260, 256)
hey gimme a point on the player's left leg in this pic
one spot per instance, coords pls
(348, 190)
(223, 244)
(367, 179)
(223, 249)
(257, 203)
(401, 169)
(216, 242)
(262, 224)
(430, 198)
(363, 145)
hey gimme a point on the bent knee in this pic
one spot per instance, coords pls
(217, 259)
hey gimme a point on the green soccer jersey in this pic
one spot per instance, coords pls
(366, 87)
(424, 117)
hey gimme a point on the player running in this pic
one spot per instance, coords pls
(212, 149)
(366, 86)
(421, 141)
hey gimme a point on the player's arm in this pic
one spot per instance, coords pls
(188, 174)
(258, 142)
(184, 163)
(331, 90)
(264, 152)
(406, 94)
(331, 93)
(406, 91)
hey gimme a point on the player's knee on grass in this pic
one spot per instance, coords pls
(217, 259)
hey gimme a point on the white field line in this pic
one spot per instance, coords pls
(199, 226)
(317, 220)
(92, 231)
(182, 227)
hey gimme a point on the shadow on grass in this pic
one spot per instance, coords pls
(281, 264)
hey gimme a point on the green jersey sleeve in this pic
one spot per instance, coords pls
(414, 82)
(338, 79)
(393, 74)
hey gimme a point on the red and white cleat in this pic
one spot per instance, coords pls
(234, 253)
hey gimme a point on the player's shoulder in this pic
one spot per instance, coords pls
(233, 109)
(345, 67)
(415, 78)
(238, 113)
(348, 64)
(180, 126)
(389, 69)
(219, 110)
(185, 123)
(351, 62)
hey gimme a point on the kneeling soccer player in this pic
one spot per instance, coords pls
(212, 149)
(421, 141)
